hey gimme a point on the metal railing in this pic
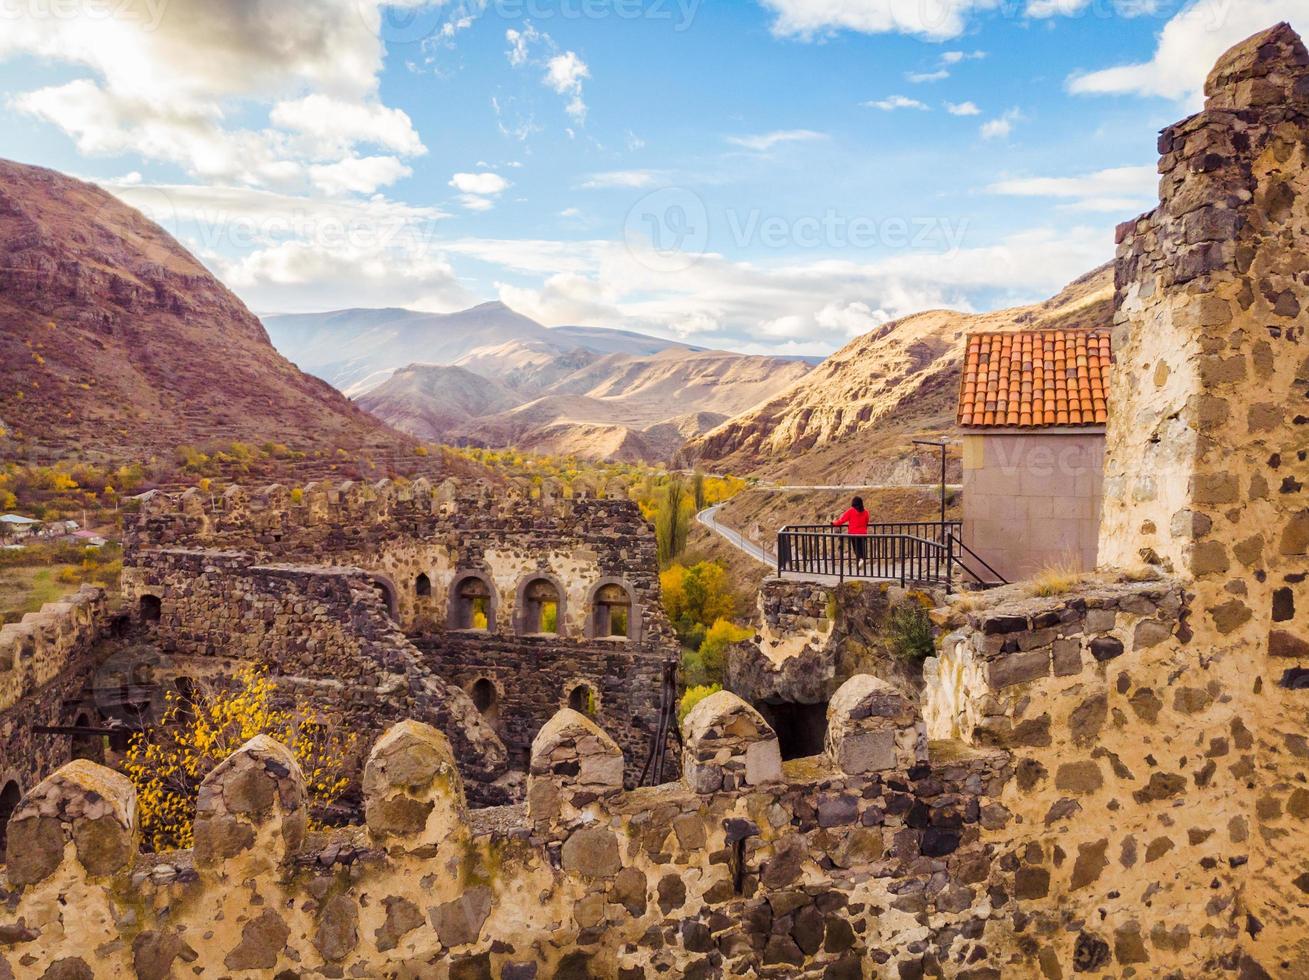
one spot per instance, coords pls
(914, 552)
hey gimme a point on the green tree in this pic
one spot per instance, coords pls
(698, 488)
(672, 522)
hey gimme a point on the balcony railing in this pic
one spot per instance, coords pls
(911, 553)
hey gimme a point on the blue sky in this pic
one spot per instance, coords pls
(779, 175)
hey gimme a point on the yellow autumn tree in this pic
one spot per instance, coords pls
(168, 762)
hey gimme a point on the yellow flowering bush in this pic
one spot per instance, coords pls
(168, 762)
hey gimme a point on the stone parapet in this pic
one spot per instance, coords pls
(38, 648)
(816, 872)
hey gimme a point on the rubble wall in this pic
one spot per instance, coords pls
(1208, 439)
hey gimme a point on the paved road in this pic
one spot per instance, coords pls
(709, 519)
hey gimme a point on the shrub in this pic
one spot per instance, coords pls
(909, 632)
(1056, 579)
(692, 697)
(168, 762)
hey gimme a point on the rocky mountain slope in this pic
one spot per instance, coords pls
(853, 417)
(117, 343)
(619, 406)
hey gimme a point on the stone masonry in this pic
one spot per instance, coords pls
(424, 549)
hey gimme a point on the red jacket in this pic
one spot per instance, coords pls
(857, 519)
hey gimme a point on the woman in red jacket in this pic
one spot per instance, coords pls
(856, 520)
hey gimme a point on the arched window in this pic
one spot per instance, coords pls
(583, 698)
(470, 605)
(612, 611)
(422, 585)
(152, 608)
(10, 797)
(486, 700)
(540, 613)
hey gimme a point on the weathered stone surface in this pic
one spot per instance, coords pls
(592, 851)
(460, 922)
(412, 787)
(728, 745)
(253, 804)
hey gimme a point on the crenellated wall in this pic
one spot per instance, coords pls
(45, 661)
(417, 544)
(864, 861)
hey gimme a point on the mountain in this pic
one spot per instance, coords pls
(852, 419)
(355, 350)
(589, 391)
(618, 406)
(118, 344)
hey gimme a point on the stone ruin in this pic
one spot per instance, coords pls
(480, 610)
(1112, 781)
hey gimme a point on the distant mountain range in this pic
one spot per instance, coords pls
(489, 376)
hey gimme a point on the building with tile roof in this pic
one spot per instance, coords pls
(1033, 406)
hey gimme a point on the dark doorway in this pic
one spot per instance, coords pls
(10, 797)
(422, 585)
(800, 728)
(486, 700)
(152, 608)
(90, 747)
(582, 698)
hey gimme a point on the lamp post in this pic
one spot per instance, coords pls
(942, 446)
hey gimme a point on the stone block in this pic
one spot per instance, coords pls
(412, 787)
(251, 812)
(574, 764)
(89, 805)
(872, 727)
(1018, 668)
(728, 745)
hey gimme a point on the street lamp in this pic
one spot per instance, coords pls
(942, 446)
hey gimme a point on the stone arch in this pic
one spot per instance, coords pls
(11, 794)
(472, 591)
(603, 602)
(486, 699)
(422, 585)
(151, 607)
(385, 588)
(582, 696)
(533, 601)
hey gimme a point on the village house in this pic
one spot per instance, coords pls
(1032, 410)
(15, 527)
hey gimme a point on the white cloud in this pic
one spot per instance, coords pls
(164, 81)
(621, 178)
(335, 124)
(519, 44)
(1189, 45)
(763, 142)
(1120, 190)
(564, 73)
(1001, 127)
(935, 19)
(962, 109)
(920, 77)
(477, 192)
(1072, 8)
(893, 102)
(358, 175)
(955, 57)
(483, 183)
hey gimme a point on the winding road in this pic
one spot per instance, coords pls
(732, 536)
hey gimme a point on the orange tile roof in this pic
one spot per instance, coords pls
(1036, 378)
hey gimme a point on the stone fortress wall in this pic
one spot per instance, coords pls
(44, 661)
(424, 549)
(1116, 784)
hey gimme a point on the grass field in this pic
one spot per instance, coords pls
(25, 589)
